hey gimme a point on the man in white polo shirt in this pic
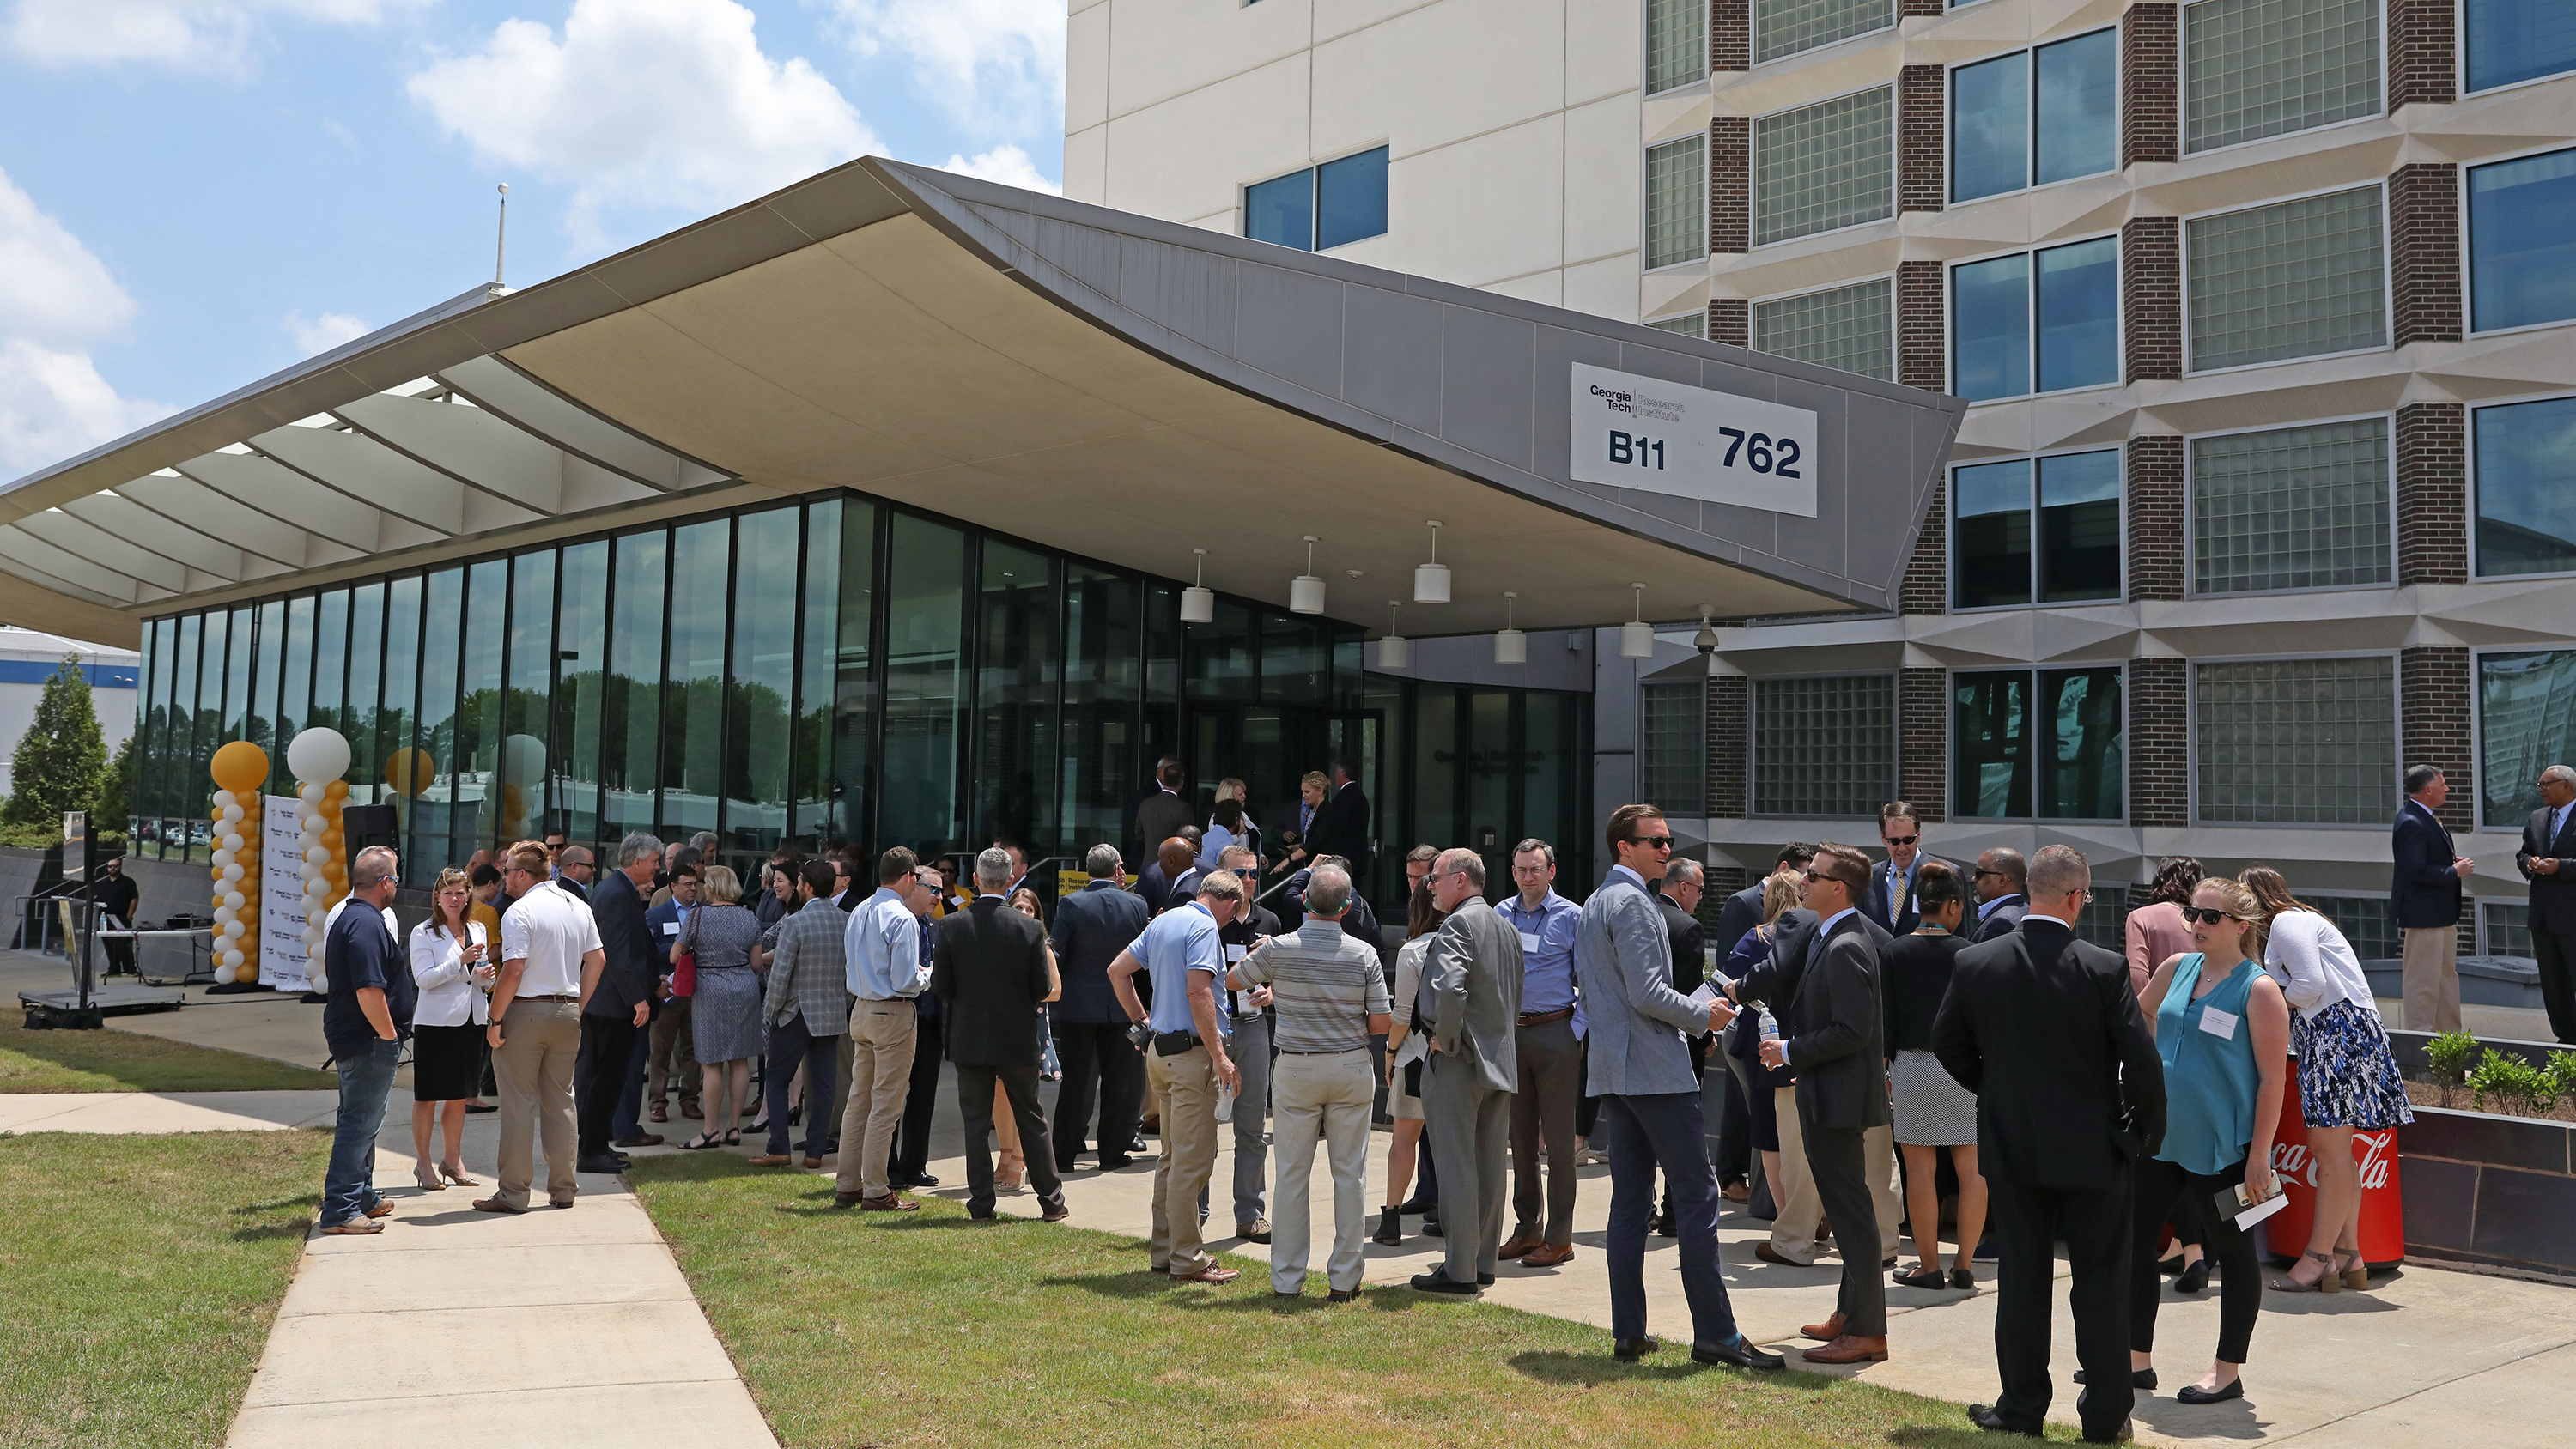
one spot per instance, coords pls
(550, 961)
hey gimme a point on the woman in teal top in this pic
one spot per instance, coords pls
(2224, 1035)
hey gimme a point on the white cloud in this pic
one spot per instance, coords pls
(320, 334)
(180, 34)
(51, 287)
(1008, 165)
(650, 103)
(55, 298)
(996, 63)
(54, 405)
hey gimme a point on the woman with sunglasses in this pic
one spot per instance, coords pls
(2223, 1032)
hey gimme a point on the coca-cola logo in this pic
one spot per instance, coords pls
(2291, 1163)
(2371, 1153)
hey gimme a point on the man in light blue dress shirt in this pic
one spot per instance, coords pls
(1550, 1048)
(886, 970)
(1185, 1061)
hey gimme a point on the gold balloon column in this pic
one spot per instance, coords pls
(239, 769)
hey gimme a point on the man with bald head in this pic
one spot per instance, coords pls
(2003, 880)
(2547, 859)
(1469, 1004)
(576, 869)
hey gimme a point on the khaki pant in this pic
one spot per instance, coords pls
(540, 1041)
(671, 1057)
(1182, 1090)
(882, 1038)
(2432, 978)
(1327, 1097)
(1802, 1212)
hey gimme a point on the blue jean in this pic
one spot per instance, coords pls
(349, 1186)
(788, 1045)
(1664, 1130)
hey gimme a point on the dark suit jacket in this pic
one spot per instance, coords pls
(2553, 897)
(1690, 944)
(1092, 926)
(1341, 828)
(633, 969)
(2425, 890)
(1833, 1033)
(1775, 982)
(2044, 1029)
(1359, 922)
(2007, 915)
(1877, 907)
(1741, 913)
(990, 975)
(1159, 817)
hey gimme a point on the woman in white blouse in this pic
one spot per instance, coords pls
(451, 963)
(1406, 1048)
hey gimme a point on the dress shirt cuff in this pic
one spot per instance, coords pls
(1784, 1051)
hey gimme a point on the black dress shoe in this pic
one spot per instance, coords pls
(1113, 1164)
(1994, 1423)
(609, 1165)
(1431, 1228)
(2144, 1379)
(1414, 1206)
(2194, 1278)
(1136, 1144)
(2195, 1394)
(1738, 1352)
(1437, 1281)
(1662, 1225)
(1484, 1280)
(1629, 1350)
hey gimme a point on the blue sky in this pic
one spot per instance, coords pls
(194, 193)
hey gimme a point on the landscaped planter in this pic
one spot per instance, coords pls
(2489, 1190)
(2484, 981)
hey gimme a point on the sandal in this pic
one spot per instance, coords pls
(2356, 1274)
(427, 1177)
(701, 1142)
(733, 1136)
(2328, 1281)
(1921, 1277)
(456, 1178)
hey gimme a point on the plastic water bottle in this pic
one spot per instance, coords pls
(1770, 1025)
(1224, 1102)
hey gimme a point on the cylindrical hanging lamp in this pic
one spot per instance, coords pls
(1198, 602)
(1392, 651)
(1511, 646)
(1306, 591)
(1637, 637)
(1431, 580)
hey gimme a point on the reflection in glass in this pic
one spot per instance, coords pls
(1103, 649)
(762, 682)
(186, 799)
(1282, 211)
(1990, 318)
(582, 668)
(1162, 674)
(1490, 768)
(1991, 523)
(2079, 315)
(236, 677)
(157, 798)
(479, 816)
(1350, 199)
(2079, 527)
(2526, 457)
(345, 687)
(267, 673)
(1220, 653)
(1292, 660)
(434, 809)
(2526, 723)
(1990, 745)
(1435, 767)
(693, 689)
(2522, 241)
(295, 698)
(630, 722)
(1015, 746)
(2084, 778)
(817, 651)
(925, 684)
(520, 758)
(853, 700)
(1546, 755)
(1990, 127)
(2517, 40)
(2077, 130)
(397, 718)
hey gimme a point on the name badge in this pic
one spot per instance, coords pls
(2220, 1024)
(1529, 940)
(1237, 953)
(670, 928)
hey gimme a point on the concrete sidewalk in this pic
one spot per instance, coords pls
(165, 1111)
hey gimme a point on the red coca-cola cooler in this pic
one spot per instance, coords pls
(2383, 1213)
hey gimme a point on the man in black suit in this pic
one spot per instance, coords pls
(991, 975)
(2548, 860)
(1743, 910)
(1890, 900)
(2424, 896)
(2045, 1030)
(1676, 897)
(1161, 814)
(2002, 893)
(1831, 1039)
(1092, 926)
(621, 1003)
(1341, 827)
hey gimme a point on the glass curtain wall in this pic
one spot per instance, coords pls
(1482, 768)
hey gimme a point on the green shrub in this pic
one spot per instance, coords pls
(2562, 1074)
(2511, 1085)
(2447, 1058)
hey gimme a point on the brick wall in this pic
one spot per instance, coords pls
(2155, 517)
(1921, 357)
(1923, 742)
(1926, 589)
(1906, 9)
(2424, 252)
(1730, 185)
(2433, 723)
(2432, 494)
(2422, 61)
(1919, 168)
(2158, 742)
(2151, 296)
(1730, 34)
(1730, 320)
(1729, 707)
(2150, 83)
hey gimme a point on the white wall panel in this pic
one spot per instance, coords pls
(1191, 156)
(1159, 49)
(1439, 74)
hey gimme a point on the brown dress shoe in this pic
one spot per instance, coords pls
(888, 1204)
(1548, 1255)
(1732, 1192)
(1522, 1244)
(495, 1205)
(383, 1209)
(813, 1162)
(1825, 1332)
(1210, 1274)
(772, 1159)
(845, 1199)
(640, 1139)
(1850, 1349)
(661, 1112)
(1770, 1254)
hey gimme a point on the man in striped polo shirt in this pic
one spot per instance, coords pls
(1329, 994)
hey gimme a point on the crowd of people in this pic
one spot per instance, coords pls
(1881, 1024)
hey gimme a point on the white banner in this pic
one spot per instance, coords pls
(281, 896)
(1639, 432)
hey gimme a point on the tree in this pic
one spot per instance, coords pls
(116, 789)
(62, 760)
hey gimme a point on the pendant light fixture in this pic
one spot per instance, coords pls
(1431, 580)
(1511, 646)
(1198, 601)
(1392, 651)
(1306, 591)
(1637, 637)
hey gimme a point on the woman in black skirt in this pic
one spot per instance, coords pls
(451, 963)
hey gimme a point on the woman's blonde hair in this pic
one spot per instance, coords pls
(452, 876)
(1779, 893)
(2242, 905)
(2271, 892)
(721, 885)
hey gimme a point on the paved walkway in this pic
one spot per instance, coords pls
(165, 1111)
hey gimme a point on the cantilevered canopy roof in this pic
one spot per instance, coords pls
(1093, 381)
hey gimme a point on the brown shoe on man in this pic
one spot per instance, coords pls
(1825, 1332)
(1522, 1244)
(1850, 1349)
(1211, 1274)
(772, 1159)
(1548, 1255)
(888, 1204)
(495, 1205)
(1770, 1254)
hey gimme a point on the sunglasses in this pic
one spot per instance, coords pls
(1903, 839)
(1652, 842)
(2204, 916)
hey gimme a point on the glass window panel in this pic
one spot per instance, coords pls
(1785, 27)
(1490, 769)
(2296, 741)
(2082, 772)
(2295, 508)
(160, 648)
(925, 684)
(1547, 738)
(854, 682)
(1990, 127)
(2522, 240)
(1293, 661)
(183, 798)
(267, 671)
(2076, 128)
(2526, 723)
(581, 671)
(1016, 676)
(2526, 457)
(2365, 922)
(1676, 43)
(817, 666)
(1672, 767)
(1282, 211)
(295, 695)
(1824, 166)
(693, 684)
(236, 677)
(1350, 199)
(1849, 328)
(1676, 201)
(2104, 920)
(344, 692)
(1435, 765)
(481, 799)
(442, 612)
(1350, 668)
(384, 623)
(2297, 279)
(1990, 525)
(1220, 653)
(2254, 68)
(1103, 663)
(1990, 322)
(1990, 754)
(2079, 315)
(1824, 746)
(2079, 527)
(521, 754)
(2504, 929)
(1162, 674)
(2517, 40)
(1689, 324)
(761, 681)
(630, 726)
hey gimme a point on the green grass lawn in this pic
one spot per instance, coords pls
(141, 1274)
(124, 1061)
(926, 1330)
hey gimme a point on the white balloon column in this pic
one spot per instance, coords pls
(239, 769)
(318, 758)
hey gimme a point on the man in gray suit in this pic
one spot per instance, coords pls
(1641, 1069)
(1470, 1001)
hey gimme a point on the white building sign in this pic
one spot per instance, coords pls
(1664, 437)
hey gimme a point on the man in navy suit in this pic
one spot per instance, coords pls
(1890, 899)
(2425, 897)
(2548, 860)
(2002, 878)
